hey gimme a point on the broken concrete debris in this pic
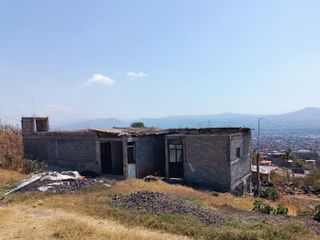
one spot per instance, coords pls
(151, 178)
(66, 181)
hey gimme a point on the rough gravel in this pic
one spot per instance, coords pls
(158, 203)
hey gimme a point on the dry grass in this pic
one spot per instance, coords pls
(207, 198)
(87, 215)
(11, 148)
(40, 223)
(8, 179)
(12, 176)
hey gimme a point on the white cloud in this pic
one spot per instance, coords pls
(136, 75)
(99, 79)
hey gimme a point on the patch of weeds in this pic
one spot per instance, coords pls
(234, 224)
(281, 210)
(295, 228)
(302, 213)
(4, 200)
(35, 166)
(228, 235)
(70, 229)
(263, 207)
(274, 234)
(269, 193)
(8, 186)
(317, 213)
(195, 201)
(247, 224)
(173, 223)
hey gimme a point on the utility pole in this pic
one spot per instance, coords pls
(258, 159)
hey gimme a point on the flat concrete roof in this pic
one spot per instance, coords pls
(175, 131)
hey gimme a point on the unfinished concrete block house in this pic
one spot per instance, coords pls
(218, 158)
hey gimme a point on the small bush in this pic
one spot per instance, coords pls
(269, 193)
(317, 213)
(281, 210)
(301, 213)
(260, 206)
(263, 207)
(34, 166)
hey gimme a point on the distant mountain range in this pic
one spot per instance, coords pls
(305, 118)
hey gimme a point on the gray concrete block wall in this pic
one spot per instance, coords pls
(240, 167)
(150, 155)
(207, 161)
(74, 151)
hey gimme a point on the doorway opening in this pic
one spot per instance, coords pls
(176, 160)
(111, 158)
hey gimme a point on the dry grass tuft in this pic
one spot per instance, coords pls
(11, 148)
(9, 179)
(12, 176)
(71, 229)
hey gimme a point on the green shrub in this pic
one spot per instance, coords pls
(269, 193)
(137, 125)
(301, 213)
(260, 206)
(281, 210)
(272, 234)
(263, 207)
(317, 213)
(34, 166)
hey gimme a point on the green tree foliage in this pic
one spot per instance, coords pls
(269, 193)
(137, 125)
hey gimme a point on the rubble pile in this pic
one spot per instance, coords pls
(156, 202)
(291, 189)
(67, 181)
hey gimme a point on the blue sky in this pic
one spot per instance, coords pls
(142, 58)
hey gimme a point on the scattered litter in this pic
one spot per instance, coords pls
(66, 181)
(55, 184)
(44, 188)
(150, 178)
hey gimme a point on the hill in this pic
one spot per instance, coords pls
(305, 118)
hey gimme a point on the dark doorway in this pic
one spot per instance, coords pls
(106, 158)
(175, 160)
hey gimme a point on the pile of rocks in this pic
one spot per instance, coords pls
(156, 202)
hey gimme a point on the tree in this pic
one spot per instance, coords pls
(137, 125)
(287, 155)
